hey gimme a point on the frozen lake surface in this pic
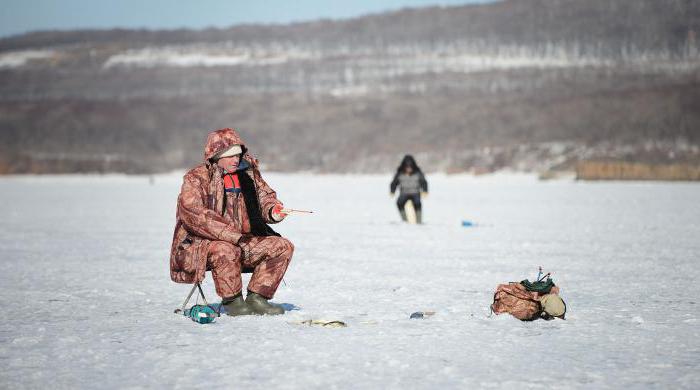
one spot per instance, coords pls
(88, 301)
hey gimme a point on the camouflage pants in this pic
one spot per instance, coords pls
(267, 257)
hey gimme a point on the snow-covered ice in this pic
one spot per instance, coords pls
(88, 302)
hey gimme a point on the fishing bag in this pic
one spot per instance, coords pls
(514, 299)
(528, 300)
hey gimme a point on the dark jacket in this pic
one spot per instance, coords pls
(401, 180)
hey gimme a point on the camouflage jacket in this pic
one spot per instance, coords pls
(201, 216)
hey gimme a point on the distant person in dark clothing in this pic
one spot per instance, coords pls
(411, 183)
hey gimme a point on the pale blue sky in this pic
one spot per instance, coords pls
(19, 16)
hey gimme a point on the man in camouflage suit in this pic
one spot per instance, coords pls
(222, 215)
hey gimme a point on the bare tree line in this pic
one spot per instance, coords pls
(529, 84)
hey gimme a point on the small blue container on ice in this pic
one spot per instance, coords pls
(201, 313)
(466, 223)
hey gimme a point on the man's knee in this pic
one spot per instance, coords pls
(284, 247)
(288, 247)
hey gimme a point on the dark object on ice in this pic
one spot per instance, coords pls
(466, 223)
(421, 314)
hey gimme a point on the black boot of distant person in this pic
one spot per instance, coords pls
(403, 215)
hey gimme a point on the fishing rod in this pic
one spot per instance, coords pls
(289, 211)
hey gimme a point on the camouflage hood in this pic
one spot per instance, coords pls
(221, 140)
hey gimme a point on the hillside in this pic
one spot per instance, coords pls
(523, 84)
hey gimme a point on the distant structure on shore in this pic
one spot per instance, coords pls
(620, 170)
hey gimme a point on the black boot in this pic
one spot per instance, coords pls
(236, 306)
(259, 305)
(419, 216)
(403, 215)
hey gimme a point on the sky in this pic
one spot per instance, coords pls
(20, 16)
